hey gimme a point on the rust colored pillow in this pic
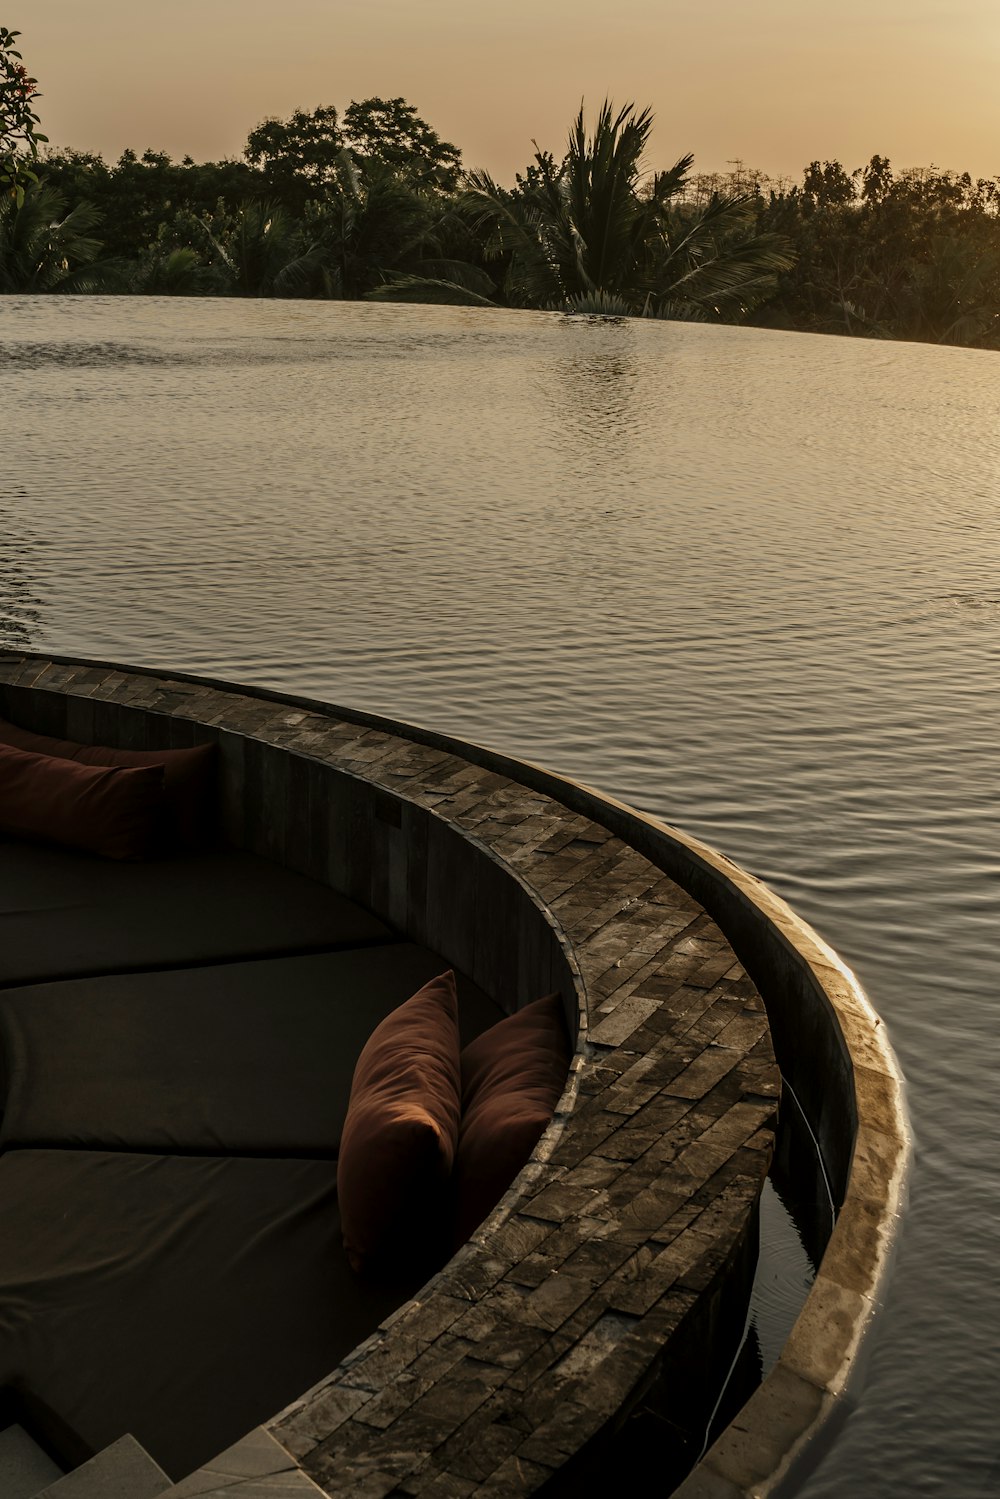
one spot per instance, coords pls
(186, 814)
(97, 809)
(398, 1143)
(512, 1078)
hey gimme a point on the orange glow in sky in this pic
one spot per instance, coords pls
(776, 84)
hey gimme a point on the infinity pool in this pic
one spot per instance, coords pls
(746, 580)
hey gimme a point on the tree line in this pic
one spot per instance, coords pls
(371, 203)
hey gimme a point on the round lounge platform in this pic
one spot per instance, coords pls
(598, 1305)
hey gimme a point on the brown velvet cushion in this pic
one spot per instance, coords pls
(100, 810)
(186, 815)
(398, 1142)
(512, 1077)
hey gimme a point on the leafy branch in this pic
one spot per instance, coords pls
(19, 137)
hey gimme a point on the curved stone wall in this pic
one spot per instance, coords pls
(616, 1244)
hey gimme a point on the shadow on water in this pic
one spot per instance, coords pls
(20, 606)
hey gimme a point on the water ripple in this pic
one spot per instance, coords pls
(745, 580)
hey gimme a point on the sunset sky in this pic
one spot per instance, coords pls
(776, 83)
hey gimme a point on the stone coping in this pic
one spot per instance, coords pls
(538, 1333)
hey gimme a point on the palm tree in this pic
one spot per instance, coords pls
(259, 251)
(174, 272)
(373, 225)
(45, 249)
(594, 235)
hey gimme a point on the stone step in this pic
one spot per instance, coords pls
(25, 1469)
(122, 1471)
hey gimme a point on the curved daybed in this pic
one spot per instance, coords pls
(594, 1306)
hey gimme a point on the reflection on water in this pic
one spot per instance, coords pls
(796, 1219)
(745, 580)
(602, 398)
(20, 608)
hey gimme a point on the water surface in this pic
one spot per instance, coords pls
(749, 581)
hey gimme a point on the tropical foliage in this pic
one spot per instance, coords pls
(375, 221)
(44, 248)
(19, 133)
(914, 255)
(594, 235)
(302, 157)
(372, 203)
(391, 131)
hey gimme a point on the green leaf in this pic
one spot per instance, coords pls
(427, 289)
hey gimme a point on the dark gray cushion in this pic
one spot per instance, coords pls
(250, 1057)
(184, 1299)
(63, 915)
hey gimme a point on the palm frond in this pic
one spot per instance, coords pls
(602, 177)
(666, 185)
(457, 273)
(599, 303)
(517, 227)
(676, 311)
(297, 274)
(427, 289)
(41, 247)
